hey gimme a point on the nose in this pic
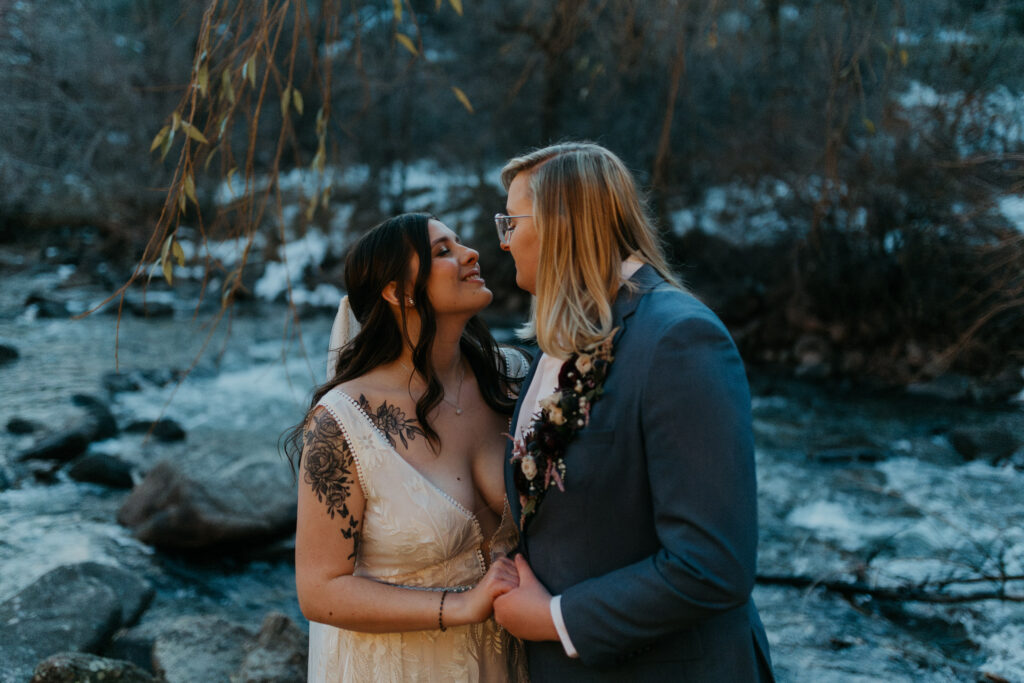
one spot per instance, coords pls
(470, 256)
(505, 245)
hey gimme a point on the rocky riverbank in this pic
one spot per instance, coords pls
(147, 514)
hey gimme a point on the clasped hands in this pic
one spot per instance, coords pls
(523, 608)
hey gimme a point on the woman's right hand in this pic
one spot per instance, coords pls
(477, 604)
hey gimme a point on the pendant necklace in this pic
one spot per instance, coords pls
(444, 397)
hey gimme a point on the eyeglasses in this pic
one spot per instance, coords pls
(501, 222)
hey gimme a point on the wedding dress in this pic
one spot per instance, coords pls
(417, 536)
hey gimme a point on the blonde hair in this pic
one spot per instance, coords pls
(589, 217)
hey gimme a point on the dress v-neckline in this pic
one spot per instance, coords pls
(444, 494)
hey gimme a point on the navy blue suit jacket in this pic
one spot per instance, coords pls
(652, 545)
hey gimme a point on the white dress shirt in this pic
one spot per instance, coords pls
(544, 383)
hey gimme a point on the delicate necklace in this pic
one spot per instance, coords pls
(444, 397)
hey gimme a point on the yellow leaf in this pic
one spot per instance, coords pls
(320, 158)
(179, 253)
(225, 86)
(285, 101)
(462, 98)
(181, 202)
(297, 100)
(311, 209)
(203, 78)
(250, 68)
(160, 137)
(869, 125)
(175, 121)
(904, 57)
(190, 188)
(321, 122)
(209, 157)
(457, 6)
(407, 43)
(166, 248)
(231, 186)
(194, 133)
(396, 6)
(168, 267)
(166, 146)
(325, 198)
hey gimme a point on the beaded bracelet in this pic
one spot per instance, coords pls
(440, 613)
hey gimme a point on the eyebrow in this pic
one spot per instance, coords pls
(445, 238)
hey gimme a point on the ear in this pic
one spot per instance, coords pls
(390, 293)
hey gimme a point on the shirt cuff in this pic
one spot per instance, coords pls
(563, 634)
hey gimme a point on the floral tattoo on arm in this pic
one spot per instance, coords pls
(330, 469)
(391, 420)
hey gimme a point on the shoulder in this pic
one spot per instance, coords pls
(517, 362)
(670, 312)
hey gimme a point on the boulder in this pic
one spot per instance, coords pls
(47, 307)
(164, 429)
(95, 424)
(71, 608)
(199, 648)
(278, 655)
(8, 353)
(993, 444)
(102, 468)
(19, 425)
(118, 382)
(947, 387)
(169, 510)
(77, 667)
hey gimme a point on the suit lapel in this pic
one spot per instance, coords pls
(510, 488)
(644, 280)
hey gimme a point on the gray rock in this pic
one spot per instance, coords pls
(77, 667)
(95, 424)
(948, 387)
(72, 608)
(170, 510)
(102, 468)
(8, 353)
(849, 454)
(164, 429)
(47, 307)
(983, 443)
(199, 648)
(19, 425)
(118, 382)
(278, 655)
(135, 644)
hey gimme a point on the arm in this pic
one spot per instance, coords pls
(696, 426)
(330, 513)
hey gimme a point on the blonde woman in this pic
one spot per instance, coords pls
(632, 472)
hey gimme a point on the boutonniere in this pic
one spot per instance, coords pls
(538, 458)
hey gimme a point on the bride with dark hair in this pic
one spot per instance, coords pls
(403, 525)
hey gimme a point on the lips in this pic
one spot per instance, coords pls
(473, 275)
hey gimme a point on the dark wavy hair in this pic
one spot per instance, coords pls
(381, 256)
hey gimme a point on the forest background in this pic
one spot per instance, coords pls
(839, 179)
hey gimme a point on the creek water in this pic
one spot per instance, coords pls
(906, 511)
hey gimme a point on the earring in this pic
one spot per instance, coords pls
(411, 302)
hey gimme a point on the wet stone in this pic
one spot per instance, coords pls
(77, 667)
(164, 429)
(102, 468)
(19, 425)
(8, 353)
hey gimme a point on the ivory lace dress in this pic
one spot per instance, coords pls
(414, 535)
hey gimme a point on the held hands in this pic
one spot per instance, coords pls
(525, 611)
(476, 604)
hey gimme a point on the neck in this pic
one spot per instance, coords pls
(446, 356)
